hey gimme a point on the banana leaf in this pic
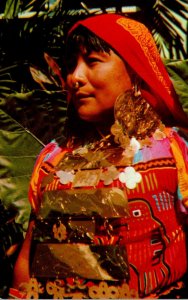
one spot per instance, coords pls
(178, 71)
(18, 152)
(28, 121)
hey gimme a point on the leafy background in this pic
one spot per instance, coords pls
(32, 100)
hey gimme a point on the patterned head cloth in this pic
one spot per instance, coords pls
(135, 45)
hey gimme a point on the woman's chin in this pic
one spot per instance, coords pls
(88, 117)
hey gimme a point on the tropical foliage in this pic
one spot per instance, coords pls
(32, 100)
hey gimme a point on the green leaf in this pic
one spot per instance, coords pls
(18, 151)
(178, 71)
(12, 9)
(28, 120)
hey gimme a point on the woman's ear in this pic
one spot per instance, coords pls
(135, 79)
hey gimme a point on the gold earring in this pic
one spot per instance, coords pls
(125, 119)
(134, 117)
(124, 112)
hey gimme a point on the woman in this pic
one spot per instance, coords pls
(108, 207)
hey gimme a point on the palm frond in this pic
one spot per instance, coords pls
(12, 9)
(169, 26)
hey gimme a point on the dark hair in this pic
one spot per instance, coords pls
(81, 37)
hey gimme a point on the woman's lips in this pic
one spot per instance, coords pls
(82, 96)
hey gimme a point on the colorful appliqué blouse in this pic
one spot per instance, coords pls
(96, 238)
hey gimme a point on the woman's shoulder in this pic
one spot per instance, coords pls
(46, 161)
(180, 137)
(50, 151)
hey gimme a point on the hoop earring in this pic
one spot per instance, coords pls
(125, 118)
(134, 117)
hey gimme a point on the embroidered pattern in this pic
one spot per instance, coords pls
(80, 289)
(143, 37)
(140, 219)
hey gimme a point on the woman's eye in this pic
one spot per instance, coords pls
(93, 59)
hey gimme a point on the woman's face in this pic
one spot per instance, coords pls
(101, 77)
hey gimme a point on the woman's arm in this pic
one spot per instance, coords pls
(21, 268)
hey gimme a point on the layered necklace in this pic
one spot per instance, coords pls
(135, 124)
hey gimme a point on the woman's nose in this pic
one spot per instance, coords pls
(79, 74)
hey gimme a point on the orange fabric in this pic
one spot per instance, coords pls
(34, 188)
(182, 174)
(182, 167)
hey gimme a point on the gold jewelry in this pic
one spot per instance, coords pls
(134, 117)
(76, 85)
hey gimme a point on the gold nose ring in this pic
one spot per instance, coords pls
(76, 85)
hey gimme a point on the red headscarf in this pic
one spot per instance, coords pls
(135, 44)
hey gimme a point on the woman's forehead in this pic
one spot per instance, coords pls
(83, 40)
